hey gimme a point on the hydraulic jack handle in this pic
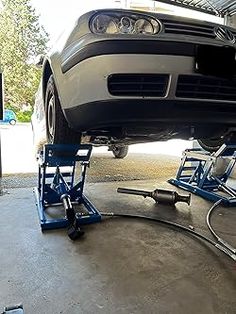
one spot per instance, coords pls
(74, 232)
(159, 195)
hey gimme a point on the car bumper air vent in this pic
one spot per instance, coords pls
(149, 85)
(213, 88)
(183, 28)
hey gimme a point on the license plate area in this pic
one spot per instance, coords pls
(216, 61)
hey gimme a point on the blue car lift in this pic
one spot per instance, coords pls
(196, 174)
(56, 188)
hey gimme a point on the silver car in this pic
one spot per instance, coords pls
(120, 77)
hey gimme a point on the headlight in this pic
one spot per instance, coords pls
(124, 24)
(104, 24)
(143, 26)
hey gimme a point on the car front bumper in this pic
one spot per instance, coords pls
(88, 102)
(87, 81)
(86, 86)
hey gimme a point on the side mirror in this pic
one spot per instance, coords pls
(1, 97)
(39, 61)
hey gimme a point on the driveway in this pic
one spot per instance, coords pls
(17, 148)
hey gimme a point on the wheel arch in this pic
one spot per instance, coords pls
(47, 72)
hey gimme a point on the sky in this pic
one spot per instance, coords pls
(56, 15)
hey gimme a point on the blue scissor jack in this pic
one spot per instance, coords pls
(56, 189)
(197, 174)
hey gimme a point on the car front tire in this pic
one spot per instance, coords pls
(212, 144)
(58, 131)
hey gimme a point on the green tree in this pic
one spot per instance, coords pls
(22, 38)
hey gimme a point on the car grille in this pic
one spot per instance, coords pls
(150, 85)
(198, 87)
(184, 28)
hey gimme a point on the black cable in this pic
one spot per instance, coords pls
(208, 222)
(177, 226)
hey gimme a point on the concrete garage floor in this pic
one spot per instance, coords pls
(120, 266)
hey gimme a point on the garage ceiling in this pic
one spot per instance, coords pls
(216, 7)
